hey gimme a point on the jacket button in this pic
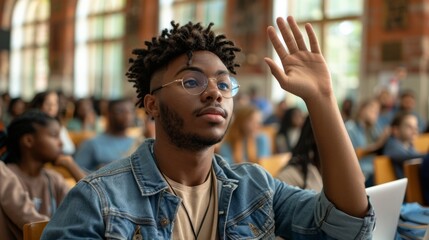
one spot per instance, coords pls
(164, 222)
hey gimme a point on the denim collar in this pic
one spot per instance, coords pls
(149, 179)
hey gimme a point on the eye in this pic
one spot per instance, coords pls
(224, 83)
(191, 82)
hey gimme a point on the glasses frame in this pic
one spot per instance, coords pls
(203, 89)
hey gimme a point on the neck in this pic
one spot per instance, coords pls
(183, 166)
(31, 167)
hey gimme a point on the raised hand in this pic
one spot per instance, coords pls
(304, 72)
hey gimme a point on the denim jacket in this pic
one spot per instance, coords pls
(130, 197)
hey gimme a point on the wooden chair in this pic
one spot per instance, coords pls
(383, 170)
(64, 172)
(414, 187)
(79, 136)
(274, 163)
(33, 231)
(421, 143)
(271, 132)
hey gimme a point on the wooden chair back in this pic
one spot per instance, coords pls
(271, 132)
(421, 143)
(79, 136)
(383, 170)
(414, 187)
(274, 163)
(33, 230)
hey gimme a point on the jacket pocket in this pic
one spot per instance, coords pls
(256, 221)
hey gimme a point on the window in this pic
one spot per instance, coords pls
(29, 65)
(98, 66)
(183, 11)
(338, 26)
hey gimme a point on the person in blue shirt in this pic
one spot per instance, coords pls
(113, 143)
(399, 147)
(175, 186)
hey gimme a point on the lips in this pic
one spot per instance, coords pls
(213, 111)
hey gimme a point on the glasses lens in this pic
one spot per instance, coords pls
(234, 86)
(195, 83)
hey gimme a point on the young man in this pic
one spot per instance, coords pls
(176, 187)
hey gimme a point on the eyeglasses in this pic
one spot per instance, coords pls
(196, 83)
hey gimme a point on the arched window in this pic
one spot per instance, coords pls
(204, 11)
(29, 68)
(99, 32)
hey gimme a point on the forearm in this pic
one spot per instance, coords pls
(342, 177)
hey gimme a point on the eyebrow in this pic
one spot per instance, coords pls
(196, 69)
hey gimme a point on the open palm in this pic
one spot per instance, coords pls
(304, 72)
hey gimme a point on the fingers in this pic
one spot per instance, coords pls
(277, 44)
(314, 44)
(277, 72)
(287, 35)
(297, 34)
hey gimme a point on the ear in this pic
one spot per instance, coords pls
(151, 105)
(27, 140)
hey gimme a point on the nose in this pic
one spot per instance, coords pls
(212, 92)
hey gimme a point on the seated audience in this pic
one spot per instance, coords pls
(15, 108)
(33, 140)
(289, 129)
(113, 143)
(303, 169)
(244, 141)
(399, 147)
(85, 117)
(16, 207)
(48, 102)
(407, 103)
(367, 138)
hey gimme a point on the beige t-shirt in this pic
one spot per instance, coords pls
(196, 200)
(42, 189)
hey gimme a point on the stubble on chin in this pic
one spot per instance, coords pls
(173, 123)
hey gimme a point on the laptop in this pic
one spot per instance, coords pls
(387, 199)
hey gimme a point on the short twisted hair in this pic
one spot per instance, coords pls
(171, 44)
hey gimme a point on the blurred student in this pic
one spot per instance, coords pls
(399, 147)
(367, 138)
(33, 139)
(407, 103)
(85, 118)
(244, 141)
(48, 102)
(289, 129)
(111, 144)
(16, 207)
(303, 169)
(15, 108)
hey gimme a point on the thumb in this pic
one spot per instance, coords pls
(277, 72)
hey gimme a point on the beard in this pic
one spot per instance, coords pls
(173, 124)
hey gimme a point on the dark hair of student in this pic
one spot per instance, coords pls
(39, 99)
(399, 118)
(171, 44)
(286, 122)
(21, 125)
(305, 152)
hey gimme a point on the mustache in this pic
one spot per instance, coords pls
(212, 108)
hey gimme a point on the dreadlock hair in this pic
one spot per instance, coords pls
(171, 44)
(21, 125)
